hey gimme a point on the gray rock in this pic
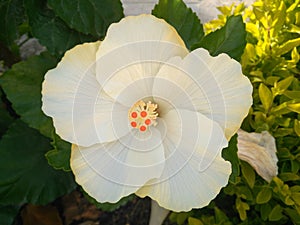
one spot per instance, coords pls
(30, 47)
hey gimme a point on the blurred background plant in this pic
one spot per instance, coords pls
(34, 161)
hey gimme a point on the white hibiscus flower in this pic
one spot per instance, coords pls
(146, 116)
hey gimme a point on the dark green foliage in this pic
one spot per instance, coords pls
(230, 154)
(182, 18)
(230, 39)
(51, 31)
(26, 77)
(11, 16)
(25, 174)
(89, 16)
(8, 214)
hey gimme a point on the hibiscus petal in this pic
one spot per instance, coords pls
(82, 113)
(192, 132)
(135, 48)
(215, 86)
(194, 169)
(110, 119)
(189, 188)
(169, 94)
(113, 170)
(135, 91)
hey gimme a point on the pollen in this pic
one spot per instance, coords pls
(142, 115)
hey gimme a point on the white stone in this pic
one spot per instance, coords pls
(205, 9)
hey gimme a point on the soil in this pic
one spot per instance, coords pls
(75, 209)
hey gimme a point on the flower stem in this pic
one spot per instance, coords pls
(158, 214)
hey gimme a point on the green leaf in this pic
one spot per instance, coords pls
(258, 12)
(296, 197)
(89, 16)
(281, 86)
(293, 6)
(8, 214)
(286, 176)
(292, 94)
(230, 39)
(245, 192)
(283, 121)
(230, 154)
(60, 156)
(264, 195)
(51, 31)
(11, 16)
(25, 174)
(242, 208)
(288, 200)
(294, 107)
(109, 207)
(295, 55)
(276, 213)
(281, 132)
(294, 215)
(185, 21)
(297, 127)
(283, 190)
(280, 109)
(194, 221)
(288, 46)
(220, 216)
(22, 85)
(182, 217)
(248, 173)
(279, 17)
(295, 164)
(5, 118)
(265, 210)
(266, 96)
(295, 189)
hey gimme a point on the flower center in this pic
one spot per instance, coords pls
(142, 115)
